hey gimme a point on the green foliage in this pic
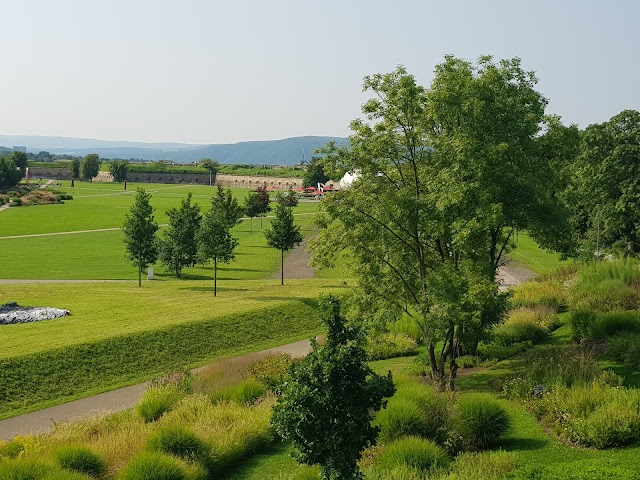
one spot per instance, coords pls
(180, 442)
(89, 166)
(614, 323)
(533, 294)
(582, 322)
(625, 348)
(413, 452)
(245, 392)
(604, 188)
(157, 466)
(271, 370)
(24, 469)
(39, 378)
(315, 173)
(140, 233)
(388, 345)
(119, 170)
(283, 233)
(606, 286)
(288, 198)
(158, 400)
(481, 465)
(210, 165)
(481, 420)
(214, 237)
(517, 330)
(583, 469)
(178, 247)
(544, 316)
(326, 406)
(81, 459)
(9, 174)
(226, 206)
(403, 417)
(74, 168)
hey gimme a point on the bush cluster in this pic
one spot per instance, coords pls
(389, 345)
(158, 400)
(534, 294)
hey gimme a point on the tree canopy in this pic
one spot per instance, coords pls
(140, 233)
(215, 242)
(329, 400)
(283, 233)
(447, 175)
(178, 248)
(119, 170)
(90, 166)
(227, 206)
(606, 185)
(315, 173)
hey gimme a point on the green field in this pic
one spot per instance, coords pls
(110, 309)
(535, 258)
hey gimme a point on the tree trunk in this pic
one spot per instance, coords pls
(139, 276)
(453, 372)
(281, 267)
(251, 228)
(215, 276)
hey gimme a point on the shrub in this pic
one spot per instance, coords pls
(541, 315)
(625, 348)
(606, 286)
(157, 400)
(245, 392)
(413, 452)
(24, 469)
(610, 324)
(481, 465)
(481, 420)
(407, 326)
(16, 202)
(533, 294)
(81, 459)
(271, 369)
(390, 345)
(402, 417)
(180, 442)
(581, 322)
(433, 405)
(519, 330)
(500, 352)
(157, 466)
(12, 449)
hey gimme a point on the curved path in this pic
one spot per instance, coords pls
(43, 421)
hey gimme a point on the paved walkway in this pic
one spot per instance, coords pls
(116, 400)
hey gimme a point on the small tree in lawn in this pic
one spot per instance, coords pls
(215, 242)
(227, 206)
(252, 208)
(263, 202)
(90, 166)
(178, 248)
(329, 399)
(74, 168)
(119, 170)
(283, 234)
(140, 233)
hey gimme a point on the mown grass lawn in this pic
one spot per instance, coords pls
(535, 258)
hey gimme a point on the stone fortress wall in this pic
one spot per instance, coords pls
(240, 181)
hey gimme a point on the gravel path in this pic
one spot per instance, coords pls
(43, 421)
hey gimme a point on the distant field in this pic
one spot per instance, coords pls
(535, 258)
(101, 255)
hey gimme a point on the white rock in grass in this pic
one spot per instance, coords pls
(26, 314)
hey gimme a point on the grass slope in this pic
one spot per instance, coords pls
(535, 258)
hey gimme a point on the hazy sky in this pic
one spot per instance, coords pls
(219, 72)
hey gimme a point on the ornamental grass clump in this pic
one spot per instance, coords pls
(517, 330)
(180, 442)
(158, 466)
(413, 452)
(81, 459)
(245, 392)
(481, 420)
(390, 345)
(533, 294)
(158, 400)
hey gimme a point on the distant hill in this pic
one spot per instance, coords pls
(288, 151)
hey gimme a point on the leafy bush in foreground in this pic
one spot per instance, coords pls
(481, 420)
(81, 459)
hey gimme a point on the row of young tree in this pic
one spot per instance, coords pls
(194, 237)
(447, 176)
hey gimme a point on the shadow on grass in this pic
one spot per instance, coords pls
(209, 288)
(511, 444)
(312, 302)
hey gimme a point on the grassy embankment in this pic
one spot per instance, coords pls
(118, 333)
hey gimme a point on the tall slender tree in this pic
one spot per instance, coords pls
(140, 233)
(178, 248)
(215, 242)
(283, 233)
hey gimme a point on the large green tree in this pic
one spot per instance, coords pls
(605, 190)
(329, 400)
(283, 233)
(179, 247)
(10, 175)
(446, 176)
(140, 233)
(90, 166)
(227, 206)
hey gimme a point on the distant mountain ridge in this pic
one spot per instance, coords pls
(288, 151)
